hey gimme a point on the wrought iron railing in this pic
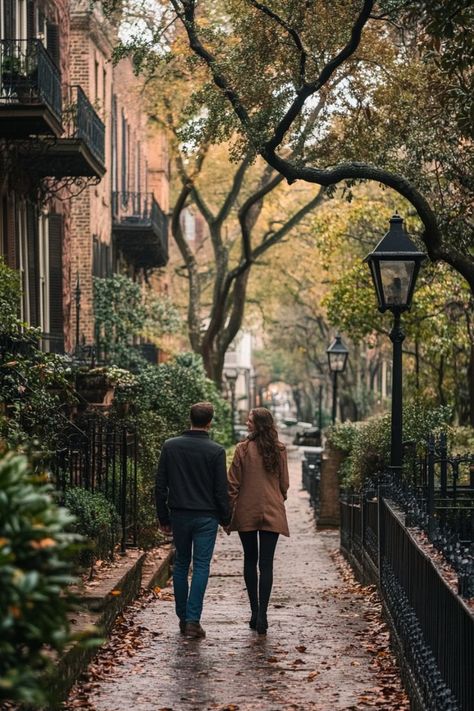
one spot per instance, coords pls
(101, 455)
(28, 75)
(81, 121)
(140, 209)
(432, 627)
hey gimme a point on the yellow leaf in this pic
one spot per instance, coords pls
(116, 592)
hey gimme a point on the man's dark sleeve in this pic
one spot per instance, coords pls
(161, 490)
(221, 494)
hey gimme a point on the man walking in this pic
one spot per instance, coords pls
(191, 501)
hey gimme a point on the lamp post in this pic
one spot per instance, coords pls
(231, 375)
(394, 265)
(337, 359)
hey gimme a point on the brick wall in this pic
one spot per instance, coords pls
(91, 43)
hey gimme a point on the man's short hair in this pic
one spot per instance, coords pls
(201, 413)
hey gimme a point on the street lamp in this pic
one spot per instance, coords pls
(231, 375)
(337, 359)
(394, 265)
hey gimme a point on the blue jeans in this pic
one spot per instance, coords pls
(194, 535)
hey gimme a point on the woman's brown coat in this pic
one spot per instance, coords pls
(256, 496)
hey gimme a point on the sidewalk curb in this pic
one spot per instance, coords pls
(75, 660)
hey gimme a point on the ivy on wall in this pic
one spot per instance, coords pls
(123, 312)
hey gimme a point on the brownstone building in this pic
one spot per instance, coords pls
(78, 194)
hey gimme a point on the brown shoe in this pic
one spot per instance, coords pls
(194, 629)
(182, 626)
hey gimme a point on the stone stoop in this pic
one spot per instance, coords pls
(99, 604)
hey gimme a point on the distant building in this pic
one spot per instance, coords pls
(238, 360)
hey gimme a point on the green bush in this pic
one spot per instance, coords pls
(366, 444)
(158, 399)
(35, 568)
(171, 388)
(35, 387)
(96, 519)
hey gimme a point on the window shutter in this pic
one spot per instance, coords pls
(30, 19)
(56, 316)
(9, 18)
(12, 237)
(32, 267)
(52, 42)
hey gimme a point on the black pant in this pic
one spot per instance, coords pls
(258, 591)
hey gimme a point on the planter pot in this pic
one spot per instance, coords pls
(94, 388)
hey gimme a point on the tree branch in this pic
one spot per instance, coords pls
(288, 226)
(291, 31)
(186, 12)
(235, 190)
(327, 71)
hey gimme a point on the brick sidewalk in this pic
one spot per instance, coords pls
(312, 657)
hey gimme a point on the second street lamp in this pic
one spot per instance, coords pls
(337, 359)
(394, 265)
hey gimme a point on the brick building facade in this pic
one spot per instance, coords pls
(78, 194)
(110, 220)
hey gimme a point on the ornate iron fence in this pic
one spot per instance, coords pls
(101, 455)
(432, 626)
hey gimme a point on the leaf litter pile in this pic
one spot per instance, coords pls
(389, 694)
(126, 640)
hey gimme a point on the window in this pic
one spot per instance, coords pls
(21, 28)
(23, 262)
(124, 156)
(55, 285)
(114, 145)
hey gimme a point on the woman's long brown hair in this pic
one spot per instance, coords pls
(266, 438)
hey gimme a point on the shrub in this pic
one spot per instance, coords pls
(34, 387)
(96, 519)
(35, 568)
(171, 388)
(367, 444)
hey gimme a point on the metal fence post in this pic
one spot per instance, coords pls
(123, 491)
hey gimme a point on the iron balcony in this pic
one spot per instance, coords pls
(140, 229)
(81, 151)
(30, 90)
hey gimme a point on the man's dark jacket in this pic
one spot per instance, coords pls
(192, 477)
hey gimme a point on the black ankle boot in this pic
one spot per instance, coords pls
(253, 620)
(262, 623)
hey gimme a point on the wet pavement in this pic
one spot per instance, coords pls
(315, 655)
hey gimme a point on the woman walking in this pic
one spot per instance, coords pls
(258, 482)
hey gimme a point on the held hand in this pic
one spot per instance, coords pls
(165, 528)
(227, 529)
